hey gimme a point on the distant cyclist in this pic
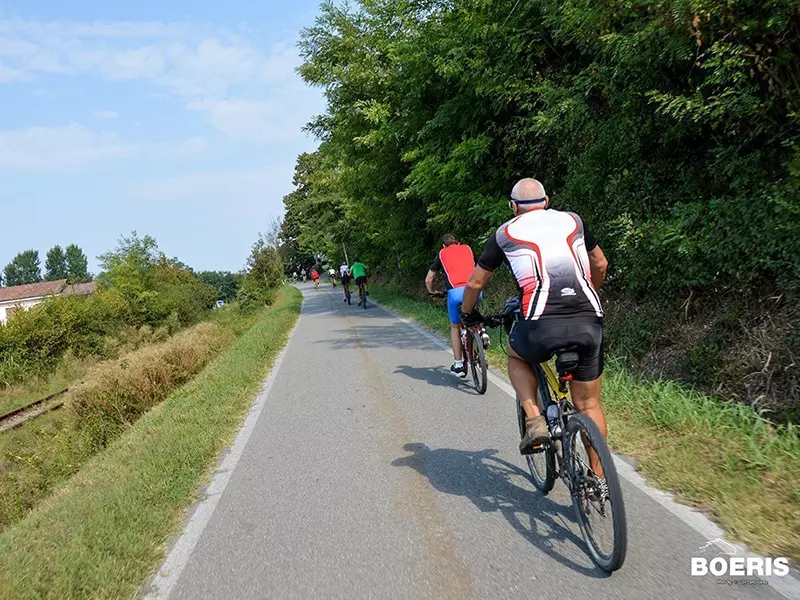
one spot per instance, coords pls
(359, 272)
(315, 277)
(558, 267)
(303, 275)
(457, 262)
(332, 276)
(344, 274)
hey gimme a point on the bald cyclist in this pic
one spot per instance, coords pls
(558, 267)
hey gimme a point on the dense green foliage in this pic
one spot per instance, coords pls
(225, 282)
(77, 264)
(670, 126)
(55, 265)
(23, 269)
(139, 288)
(263, 276)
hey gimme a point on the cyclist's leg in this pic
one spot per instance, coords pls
(585, 388)
(523, 379)
(455, 297)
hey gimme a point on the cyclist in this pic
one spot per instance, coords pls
(558, 267)
(315, 277)
(332, 276)
(359, 272)
(344, 275)
(457, 262)
(303, 275)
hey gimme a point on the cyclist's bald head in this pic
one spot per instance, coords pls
(526, 190)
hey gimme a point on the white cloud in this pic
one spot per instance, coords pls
(106, 114)
(59, 149)
(76, 148)
(240, 188)
(265, 121)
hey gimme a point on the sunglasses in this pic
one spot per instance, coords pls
(514, 201)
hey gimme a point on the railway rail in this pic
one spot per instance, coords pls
(22, 414)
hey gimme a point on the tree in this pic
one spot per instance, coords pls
(151, 286)
(264, 274)
(77, 265)
(225, 282)
(56, 264)
(23, 269)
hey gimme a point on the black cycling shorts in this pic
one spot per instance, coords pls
(537, 341)
(360, 280)
(345, 279)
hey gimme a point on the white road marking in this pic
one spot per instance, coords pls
(164, 581)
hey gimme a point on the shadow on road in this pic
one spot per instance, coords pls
(487, 482)
(437, 376)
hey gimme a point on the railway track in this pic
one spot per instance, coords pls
(22, 414)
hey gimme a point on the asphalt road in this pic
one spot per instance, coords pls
(373, 473)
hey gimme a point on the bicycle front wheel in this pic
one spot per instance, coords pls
(542, 463)
(477, 357)
(597, 498)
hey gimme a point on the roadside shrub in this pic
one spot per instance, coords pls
(116, 393)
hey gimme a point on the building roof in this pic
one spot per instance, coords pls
(45, 288)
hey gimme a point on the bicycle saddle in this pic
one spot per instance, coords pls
(566, 361)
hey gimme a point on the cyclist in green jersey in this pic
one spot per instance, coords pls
(359, 273)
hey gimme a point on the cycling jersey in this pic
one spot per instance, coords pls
(344, 270)
(358, 270)
(457, 262)
(547, 250)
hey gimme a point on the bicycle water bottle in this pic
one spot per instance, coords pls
(552, 418)
(484, 339)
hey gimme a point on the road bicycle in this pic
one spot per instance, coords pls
(596, 499)
(362, 290)
(347, 292)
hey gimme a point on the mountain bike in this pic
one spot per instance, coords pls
(473, 348)
(596, 499)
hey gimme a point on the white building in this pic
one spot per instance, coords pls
(20, 297)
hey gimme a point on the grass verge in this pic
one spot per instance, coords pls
(104, 532)
(719, 456)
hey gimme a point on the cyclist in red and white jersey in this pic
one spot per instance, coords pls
(457, 262)
(558, 267)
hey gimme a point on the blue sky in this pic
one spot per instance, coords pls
(177, 119)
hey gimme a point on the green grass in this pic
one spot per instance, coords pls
(104, 532)
(722, 457)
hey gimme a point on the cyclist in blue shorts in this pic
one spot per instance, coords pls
(457, 262)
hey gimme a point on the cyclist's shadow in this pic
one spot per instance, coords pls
(487, 482)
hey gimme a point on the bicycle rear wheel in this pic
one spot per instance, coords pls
(477, 356)
(363, 292)
(597, 500)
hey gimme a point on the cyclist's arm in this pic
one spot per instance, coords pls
(598, 264)
(491, 258)
(429, 281)
(477, 281)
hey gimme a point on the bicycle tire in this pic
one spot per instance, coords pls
(478, 358)
(542, 464)
(363, 296)
(581, 424)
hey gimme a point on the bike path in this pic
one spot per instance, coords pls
(373, 473)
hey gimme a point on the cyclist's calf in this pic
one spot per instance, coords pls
(586, 399)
